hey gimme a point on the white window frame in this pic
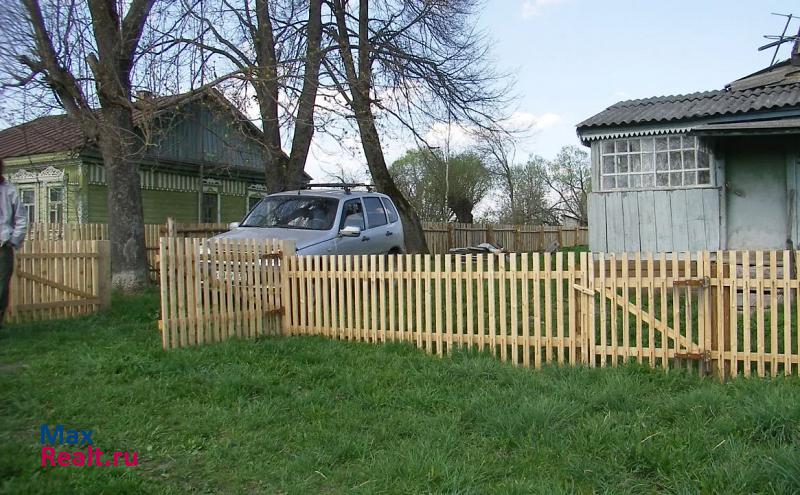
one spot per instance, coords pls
(58, 204)
(34, 190)
(622, 165)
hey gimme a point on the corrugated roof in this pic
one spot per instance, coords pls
(696, 105)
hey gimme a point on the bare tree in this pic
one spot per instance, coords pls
(569, 177)
(85, 53)
(414, 61)
(274, 49)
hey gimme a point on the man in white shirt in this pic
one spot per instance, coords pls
(13, 224)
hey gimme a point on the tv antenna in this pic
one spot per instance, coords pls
(780, 40)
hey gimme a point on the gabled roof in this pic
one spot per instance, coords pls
(49, 134)
(57, 133)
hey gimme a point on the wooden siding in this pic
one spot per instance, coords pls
(201, 135)
(654, 221)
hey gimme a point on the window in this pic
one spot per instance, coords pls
(56, 204)
(293, 212)
(390, 210)
(28, 199)
(209, 207)
(653, 163)
(376, 215)
(352, 215)
(252, 201)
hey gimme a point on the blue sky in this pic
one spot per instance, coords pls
(573, 58)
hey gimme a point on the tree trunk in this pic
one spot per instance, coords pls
(304, 123)
(370, 142)
(129, 270)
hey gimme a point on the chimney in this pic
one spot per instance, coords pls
(144, 95)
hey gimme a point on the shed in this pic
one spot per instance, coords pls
(703, 171)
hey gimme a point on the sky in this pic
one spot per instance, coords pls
(573, 58)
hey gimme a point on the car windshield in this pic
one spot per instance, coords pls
(293, 212)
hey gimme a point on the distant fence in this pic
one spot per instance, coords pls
(59, 279)
(727, 313)
(442, 237)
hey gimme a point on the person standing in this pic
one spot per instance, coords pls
(13, 224)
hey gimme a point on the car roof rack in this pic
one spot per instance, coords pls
(339, 185)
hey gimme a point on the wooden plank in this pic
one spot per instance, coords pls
(712, 220)
(597, 222)
(513, 280)
(663, 215)
(615, 223)
(631, 221)
(680, 222)
(696, 219)
(647, 221)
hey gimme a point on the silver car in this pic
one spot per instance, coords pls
(325, 222)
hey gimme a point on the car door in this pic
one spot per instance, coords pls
(394, 229)
(353, 214)
(379, 233)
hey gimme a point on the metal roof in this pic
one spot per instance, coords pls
(663, 109)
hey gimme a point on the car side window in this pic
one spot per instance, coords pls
(376, 215)
(391, 211)
(352, 215)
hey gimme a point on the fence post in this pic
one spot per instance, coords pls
(104, 273)
(449, 237)
(490, 234)
(287, 251)
(516, 239)
(171, 227)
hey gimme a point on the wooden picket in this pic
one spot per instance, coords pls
(59, 279)
(212, 291)
(727, 313)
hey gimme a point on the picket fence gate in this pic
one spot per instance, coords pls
(59, 279)
(725, 313)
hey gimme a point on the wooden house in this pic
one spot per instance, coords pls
(201, 162)
(711, 170)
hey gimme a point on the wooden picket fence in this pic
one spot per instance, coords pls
(725, 313)
(59, 279)
(442, 237)
(211, 291)
(99, 231)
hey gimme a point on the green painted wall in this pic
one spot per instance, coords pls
(232, 208)
(158, 205)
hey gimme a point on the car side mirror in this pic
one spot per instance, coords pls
(350, 231)
(233, 225)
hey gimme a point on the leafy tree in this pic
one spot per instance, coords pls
(530, 204)
(441, 189)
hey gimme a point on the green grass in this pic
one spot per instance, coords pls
(309, 415)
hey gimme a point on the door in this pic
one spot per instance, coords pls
(353, 215)
(378, 231)
(756, 197)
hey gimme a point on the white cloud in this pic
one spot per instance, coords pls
(531, 8)
(520, 121)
